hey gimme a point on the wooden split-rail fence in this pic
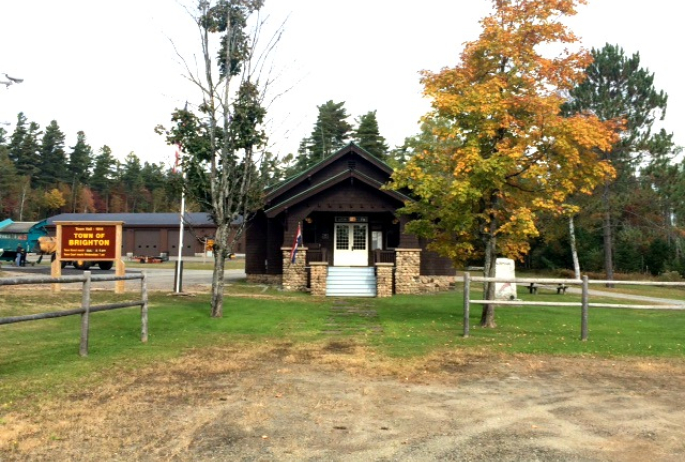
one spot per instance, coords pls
(584, 303)
(86, 308)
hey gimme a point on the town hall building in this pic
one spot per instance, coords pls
(353, 240)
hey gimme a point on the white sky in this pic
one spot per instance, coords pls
(108, 67)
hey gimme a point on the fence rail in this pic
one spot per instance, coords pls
(86, 308)
(584, 304)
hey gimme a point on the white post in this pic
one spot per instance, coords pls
(177, 288)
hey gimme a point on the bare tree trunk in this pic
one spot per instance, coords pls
(487, 318)
(608, 238)
(24, 192)
(574, 249)
(73, 196)
(220, 253)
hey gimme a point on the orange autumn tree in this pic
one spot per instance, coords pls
(496, 149)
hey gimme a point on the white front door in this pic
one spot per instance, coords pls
(351, 244)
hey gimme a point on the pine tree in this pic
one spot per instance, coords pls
(52, 164)
(331, 131)
(8, 183)
(618, 89)
(24, 147)
(80, 159)
(368, 137)
(103, 177)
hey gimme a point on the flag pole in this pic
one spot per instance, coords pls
(179, 263)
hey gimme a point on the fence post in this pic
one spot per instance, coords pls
(85, 317)
(584, 310)
(467, 297)
(143, 308)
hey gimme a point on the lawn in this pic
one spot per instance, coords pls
(42, 356)
(194, 263)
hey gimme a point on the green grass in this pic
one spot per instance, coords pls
(420, 324)
(194, 264)
(207, 264)
(41, 357)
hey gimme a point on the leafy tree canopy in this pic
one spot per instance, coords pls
(501, 149)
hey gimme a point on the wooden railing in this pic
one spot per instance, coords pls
(584, 304)
(384, 256)
(315, 255)
(86, 308)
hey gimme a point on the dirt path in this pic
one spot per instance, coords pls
(339, 402)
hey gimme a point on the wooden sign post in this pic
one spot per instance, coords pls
(94, 241)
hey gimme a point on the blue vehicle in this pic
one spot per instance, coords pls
(21, 233)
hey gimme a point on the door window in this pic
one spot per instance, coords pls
(342, 237)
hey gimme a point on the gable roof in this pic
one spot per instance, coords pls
(301, 187)
(329, 183)
(351, 148)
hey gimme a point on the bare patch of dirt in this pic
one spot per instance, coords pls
(338, 401)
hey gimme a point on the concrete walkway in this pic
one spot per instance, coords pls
(670, 304)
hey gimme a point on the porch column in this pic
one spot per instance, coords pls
(294, 274)
(407, 271)
(384, 280)
(319, 273)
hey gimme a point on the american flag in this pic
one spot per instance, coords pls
(296, 243)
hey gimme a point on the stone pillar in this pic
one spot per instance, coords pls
(407, 271)
(319, 273)
(294, 274)
(384, 279)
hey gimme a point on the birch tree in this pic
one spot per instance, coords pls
(220, 140)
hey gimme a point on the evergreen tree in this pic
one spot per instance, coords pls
(132, 181)
(153, 176)
(331, 131)
(8, 184)
(52, 164)
(104, 174)
(618, 89)
(24, 147)
(80, 159)
(302, 160)
(368, 137)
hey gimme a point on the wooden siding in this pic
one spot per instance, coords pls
(347, 184)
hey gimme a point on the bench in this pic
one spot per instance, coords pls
(561, 288)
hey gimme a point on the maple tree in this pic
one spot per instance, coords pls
(500, 150)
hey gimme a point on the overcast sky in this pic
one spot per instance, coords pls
(108, 67)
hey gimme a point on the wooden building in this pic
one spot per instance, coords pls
(350, 230)
(153, 234)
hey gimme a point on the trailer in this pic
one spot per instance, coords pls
(24, 234)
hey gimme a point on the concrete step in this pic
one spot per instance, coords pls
(351, 282)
